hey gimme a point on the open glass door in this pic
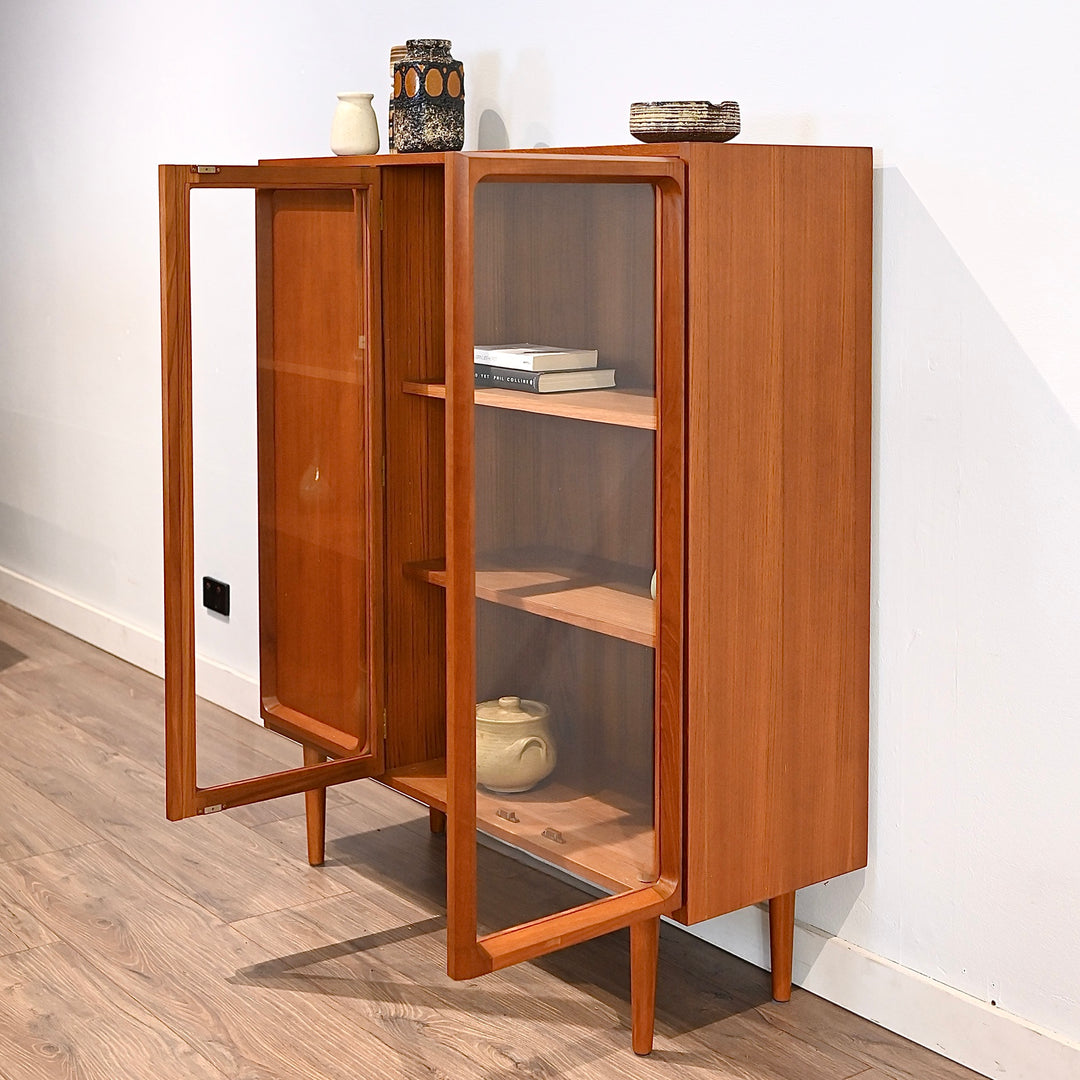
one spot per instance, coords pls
(312, 379)
(564, 553)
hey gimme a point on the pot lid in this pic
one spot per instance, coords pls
(511, 709)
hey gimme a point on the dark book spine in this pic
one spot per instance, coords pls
(486, 377)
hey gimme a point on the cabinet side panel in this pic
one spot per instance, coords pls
(413, 349)
(734, 527)
(778, 518)
(820, 768)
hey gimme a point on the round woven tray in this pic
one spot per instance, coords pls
(678, 121)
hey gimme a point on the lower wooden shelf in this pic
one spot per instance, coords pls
(608, 598)
(601, 837)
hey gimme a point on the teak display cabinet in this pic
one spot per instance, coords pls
(424, 546)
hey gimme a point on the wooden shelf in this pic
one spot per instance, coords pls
(623, 407)
(605, 839)
(608, 598)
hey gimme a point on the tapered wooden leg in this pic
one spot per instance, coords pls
(644, 951)
(781, 943)
(315, 806)
(437, 820)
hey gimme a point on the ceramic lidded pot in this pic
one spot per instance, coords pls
(514, 746)
(429, 98)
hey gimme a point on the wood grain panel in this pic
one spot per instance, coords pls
(779, 239)
(174, 210)
(626, 408)
(313, 436)
(413, 349)
(570, 265)
(580, 487)
(600, 690)
(826, 520)
(609, 598)
(604, 837)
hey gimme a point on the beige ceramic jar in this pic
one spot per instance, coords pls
(514, 747)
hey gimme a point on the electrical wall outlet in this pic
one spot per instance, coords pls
(215, 595)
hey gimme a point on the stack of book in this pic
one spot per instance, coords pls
(539, 369)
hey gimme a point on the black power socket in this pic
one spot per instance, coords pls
(215, 595)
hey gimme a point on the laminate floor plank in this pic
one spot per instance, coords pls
(37, 643)
(19, 930)
(701, 1010)
(112, 706)
(167, 953)
(745, 1040)
(208, 949)
(384, 838)
(224, 865)
(381, 837)
(40, 824)
(513, 1022)
(811, 1018)
(898, 1058)
(61, 1018)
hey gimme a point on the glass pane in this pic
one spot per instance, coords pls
(278, 453)
(226, 494)
(565, 528)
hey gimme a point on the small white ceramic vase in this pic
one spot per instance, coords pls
(514, 747)
(355, 129)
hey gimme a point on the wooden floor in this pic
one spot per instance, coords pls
(135, 948)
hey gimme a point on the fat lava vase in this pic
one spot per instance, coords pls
(429, 98)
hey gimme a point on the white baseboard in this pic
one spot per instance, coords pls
(144, 648)
(984, 1038)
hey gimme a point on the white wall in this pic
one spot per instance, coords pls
(974, 882)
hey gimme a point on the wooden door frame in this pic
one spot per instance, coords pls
(468, 954)
(183, 796)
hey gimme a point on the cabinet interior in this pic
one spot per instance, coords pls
(565, 521)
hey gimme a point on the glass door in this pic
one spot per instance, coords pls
(304, 374)
(564, 564)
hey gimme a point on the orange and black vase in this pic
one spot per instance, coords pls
(429, 98)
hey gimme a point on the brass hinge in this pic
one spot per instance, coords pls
(380, 213)
(205, 170)
(384, 725)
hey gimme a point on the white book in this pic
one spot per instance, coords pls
(526, 357)
(542, 382)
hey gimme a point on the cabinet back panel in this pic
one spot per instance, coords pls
(599, 690)
(546, 481)
(570, 265)
(312, 525)
(413, 349)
